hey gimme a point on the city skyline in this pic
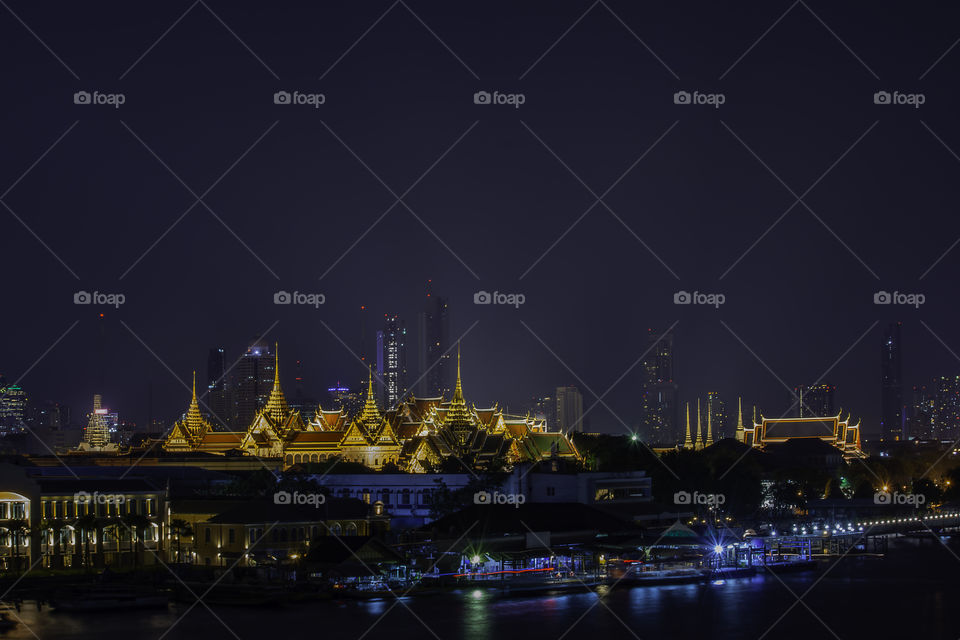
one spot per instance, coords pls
(303, 198)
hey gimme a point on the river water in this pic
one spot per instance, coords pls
(913, 592)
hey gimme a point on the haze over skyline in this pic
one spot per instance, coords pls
(597, 198)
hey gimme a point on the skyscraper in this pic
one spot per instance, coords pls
(717, 412)
(817, 400)
(254, 381)
(569, 409)
(217, 386)
(392, 360)
(659, 391)
(891, 387)
(946, 411)
(434, 343)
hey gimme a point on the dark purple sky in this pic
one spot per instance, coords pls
(801, 98)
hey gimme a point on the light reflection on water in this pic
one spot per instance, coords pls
(738, 608)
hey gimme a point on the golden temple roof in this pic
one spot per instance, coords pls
(276, 406)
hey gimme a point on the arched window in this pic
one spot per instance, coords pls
(335, 529)
(351, 529)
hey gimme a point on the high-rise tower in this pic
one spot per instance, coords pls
(392, 360)
(434, 343)
(659, 391)
(891, 386)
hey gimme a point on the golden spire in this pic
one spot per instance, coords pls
(194, 422)
(457, 413)
(709, 421)
(458, 389)
(698, 443)
(739, 432)
(371, 415)
(687, 442)
(276, 406)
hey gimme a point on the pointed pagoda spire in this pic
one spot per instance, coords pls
(458, 389)
(371, 415)
(687, 441)
(739, 419)
(458, 415)
(194, 422)
(276, 406)
(698, 442)
(709, 439)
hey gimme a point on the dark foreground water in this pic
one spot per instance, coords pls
(912, 593)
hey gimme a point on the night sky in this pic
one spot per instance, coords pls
(299, 198)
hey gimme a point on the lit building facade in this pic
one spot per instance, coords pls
(659, 391)
(891, 389)
(569, 409)
(833, 430)
(418, 435)
(392, 361)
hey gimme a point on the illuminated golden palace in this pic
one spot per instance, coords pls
(418, 435)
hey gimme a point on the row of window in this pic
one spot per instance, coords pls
(284, 534)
